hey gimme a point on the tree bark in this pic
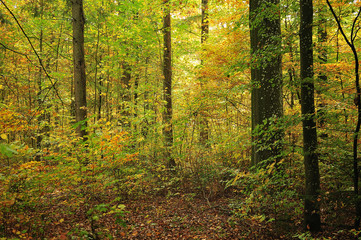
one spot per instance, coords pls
(312, 209)
(266, 75)
(167, 84)
(79, 67)
(204, 131)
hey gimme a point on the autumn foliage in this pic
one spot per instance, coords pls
(116, 184)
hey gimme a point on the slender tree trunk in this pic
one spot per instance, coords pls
(339, 77)
(126, 93)
(167, 84)
(97, 60)
(312, 209)
(79, 67)
(204, 131)
(44, 117)
(100, 103)
(266, 75)
(136, 95)
(41, 118)
(322, 57)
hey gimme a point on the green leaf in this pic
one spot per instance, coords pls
(7, 150)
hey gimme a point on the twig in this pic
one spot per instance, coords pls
(36, 53)
(14, 51)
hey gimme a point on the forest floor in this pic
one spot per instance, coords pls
(161, 217)
(179, 217)
(99, 214)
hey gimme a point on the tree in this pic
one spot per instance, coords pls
(204, 132)
(312, 209)
(79, 67)
(167, 83)
(266, 77)
(351, 43)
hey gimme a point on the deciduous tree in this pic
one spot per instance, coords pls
(312, 209)
(167, 84)
(79, 67)
(266, 74)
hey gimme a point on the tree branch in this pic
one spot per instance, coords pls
(36, 53)
(338, 23)
(353, 36)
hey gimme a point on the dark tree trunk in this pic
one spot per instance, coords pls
(79, 67)
(266, 74)
(167, 84)
(312, 209)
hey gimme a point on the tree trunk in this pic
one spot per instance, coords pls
(126, 93)
(204, 132)
(312, 209)
(322, 78)
(266, 75)
(41, 118)
(79, 68)
(167, 84)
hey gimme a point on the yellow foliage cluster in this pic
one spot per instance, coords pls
(11, 121)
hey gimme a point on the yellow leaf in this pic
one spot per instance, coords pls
(4, 136)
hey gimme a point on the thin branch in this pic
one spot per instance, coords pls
(339, 24)
(353, 36)
(14, 51)
(358, 29)
(36, 53)
(358, 103)
(53, 48)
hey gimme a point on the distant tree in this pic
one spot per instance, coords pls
(167, 83)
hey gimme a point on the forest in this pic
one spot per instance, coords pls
(180, 119)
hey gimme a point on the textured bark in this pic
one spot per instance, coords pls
(312, 209)
(266, 74)
(167, 84)
(79, 67)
